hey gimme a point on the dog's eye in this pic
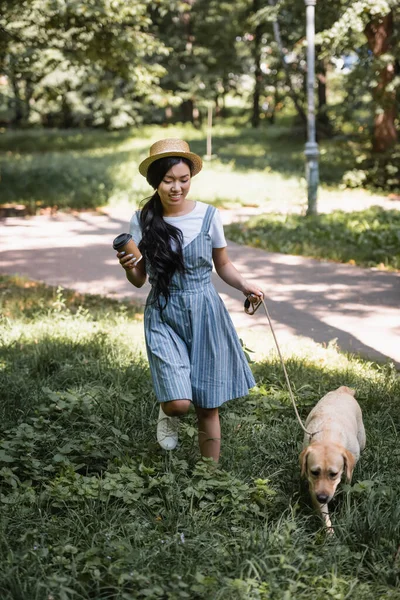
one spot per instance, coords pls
(315, 472)
(333, 475)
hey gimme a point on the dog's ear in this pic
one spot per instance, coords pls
(346, 390)
(303, 459)
(349, 463)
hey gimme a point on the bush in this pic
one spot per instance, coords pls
(368, 238)
(382, 172)
(354, 179)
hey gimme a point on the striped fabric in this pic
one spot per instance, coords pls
(193, 349)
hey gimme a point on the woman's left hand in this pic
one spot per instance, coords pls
(253, 292)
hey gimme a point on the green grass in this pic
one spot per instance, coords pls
(77, 169)
(368, 238)
(93, 508)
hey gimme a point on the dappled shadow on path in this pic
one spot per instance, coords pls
(324, 301)
(319, 300)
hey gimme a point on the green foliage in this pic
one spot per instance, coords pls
(368, 238)
(70, 169)
(53, 180)
(346, 32)
(93, 508)
(354, 178)
(382, 171)
(114, 65)
(80, 63)
(365, 30)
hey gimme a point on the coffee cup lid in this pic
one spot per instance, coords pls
(121, 240)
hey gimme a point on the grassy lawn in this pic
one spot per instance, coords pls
(257, 168)
(368, 238)
(261, 168)
(93, 508)
(87, 169)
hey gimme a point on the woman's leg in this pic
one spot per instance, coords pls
(168, 422)
(176, 408)
(209, 432)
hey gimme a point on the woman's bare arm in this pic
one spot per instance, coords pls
(231, 275)
(135, 271)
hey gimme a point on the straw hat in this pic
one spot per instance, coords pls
(170, 147)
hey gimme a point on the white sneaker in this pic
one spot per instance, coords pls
(167, 430)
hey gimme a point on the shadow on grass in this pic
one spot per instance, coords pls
(62, 140)
(161, 507)
(116, 378)
(111, 390)
(68, 180)
(55, 174)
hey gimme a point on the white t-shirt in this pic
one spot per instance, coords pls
(190, 225)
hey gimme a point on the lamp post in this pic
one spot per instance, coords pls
(311, 149)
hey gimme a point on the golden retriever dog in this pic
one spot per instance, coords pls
(337, 438)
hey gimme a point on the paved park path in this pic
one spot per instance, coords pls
(314, 299)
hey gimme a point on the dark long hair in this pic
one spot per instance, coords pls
(165, 259)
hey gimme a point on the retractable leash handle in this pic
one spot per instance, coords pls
(250, 308)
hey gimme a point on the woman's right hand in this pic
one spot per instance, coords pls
(127, 261)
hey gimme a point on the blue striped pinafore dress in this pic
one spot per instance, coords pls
(193, 349)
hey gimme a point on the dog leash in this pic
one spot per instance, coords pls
(250, 308)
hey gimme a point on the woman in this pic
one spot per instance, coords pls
(194, 352)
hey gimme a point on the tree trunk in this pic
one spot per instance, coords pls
(187, 107)
(168, 114)
(217, 105)
(29, 89)
(274, 105)
(255, 118)
(321, 80)
(323, 123)
(18, 103)
(379, 34)
(293, 95)
(66, 113)
(225, 86)
(197, 117)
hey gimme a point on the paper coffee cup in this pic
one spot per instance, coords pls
(125, 243)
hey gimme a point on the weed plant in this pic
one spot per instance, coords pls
(368, 238)
(93, 508)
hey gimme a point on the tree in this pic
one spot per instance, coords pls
(379, 33)
(370, 23)
(95, 59)
(217, 28)
(203, 64)
(284, 21)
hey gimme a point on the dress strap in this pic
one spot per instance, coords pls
(208, 217)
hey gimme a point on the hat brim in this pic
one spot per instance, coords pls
(194, 159)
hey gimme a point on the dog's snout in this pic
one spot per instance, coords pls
(322, 498)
